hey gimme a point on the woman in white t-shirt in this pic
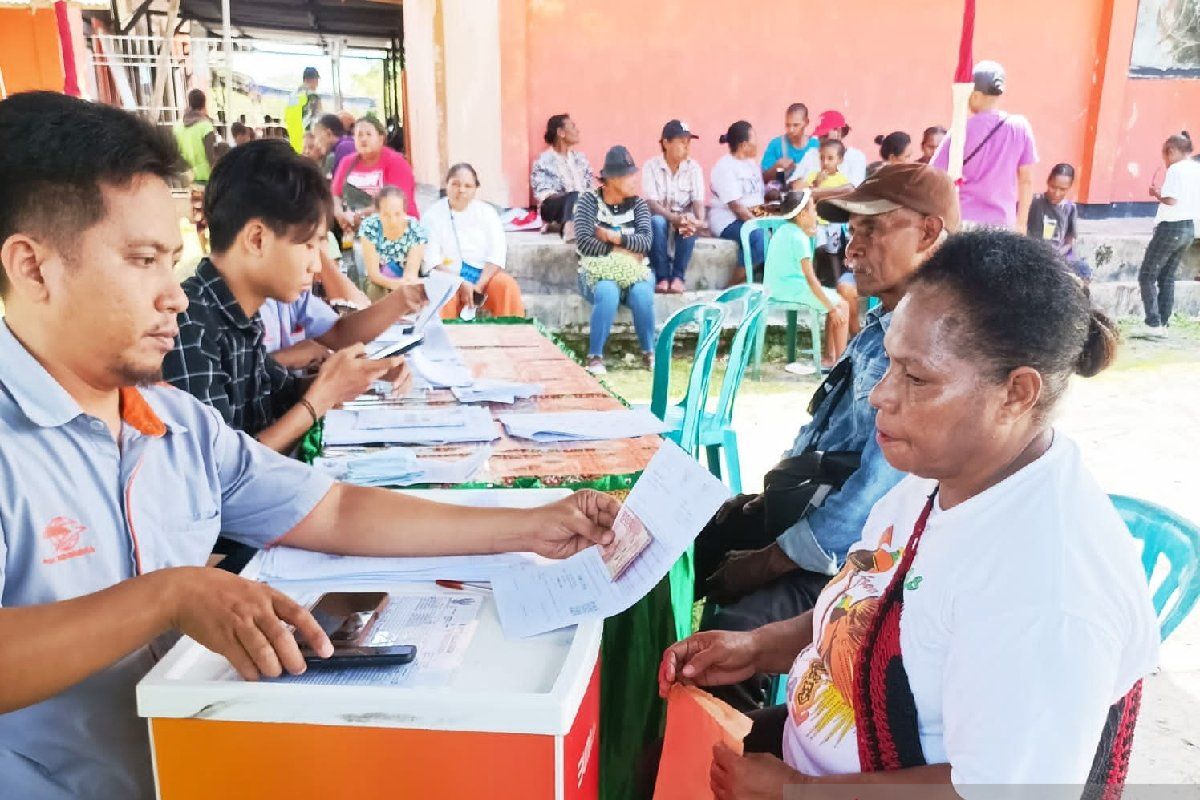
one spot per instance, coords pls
(467, 238)
(1010, 647)
(738, 194)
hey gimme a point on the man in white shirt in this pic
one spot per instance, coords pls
(1174, 230)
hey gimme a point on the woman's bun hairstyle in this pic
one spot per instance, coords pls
(1100, 348)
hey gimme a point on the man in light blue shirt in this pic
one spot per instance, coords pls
(115, 486)
(758, 576)
(783, 153)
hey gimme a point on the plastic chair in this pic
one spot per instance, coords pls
(814, 319)
(716, 426)
(1165, 534)
(708, 318)
(768, 225)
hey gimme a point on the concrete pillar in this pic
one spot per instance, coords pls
(471, 55)
(422, 60)
(452, 82)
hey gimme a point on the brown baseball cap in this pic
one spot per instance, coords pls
(918, 187)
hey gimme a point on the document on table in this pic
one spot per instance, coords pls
(400, 426)
(380, 418)
(485, 390)
(399, 466)
(439, 623)
(673, 499)
(582, 426)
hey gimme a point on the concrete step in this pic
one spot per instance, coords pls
(568, 311)
(546, 268)
(544, 264)
(1118, 257)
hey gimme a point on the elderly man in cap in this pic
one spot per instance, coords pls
(765, 557)
(998, 157)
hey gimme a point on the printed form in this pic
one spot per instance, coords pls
(673, 499)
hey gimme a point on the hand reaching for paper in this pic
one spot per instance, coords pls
(708, 658)
(572, 524)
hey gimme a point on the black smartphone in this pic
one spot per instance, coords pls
(343, 657)
(395, 348)
(347, 616)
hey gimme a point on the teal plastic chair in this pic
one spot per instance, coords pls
(717, 434)
(768, 225)
(708, 318)
(1165, 535)
(814, 320)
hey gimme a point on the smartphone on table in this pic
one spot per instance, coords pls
(347, 619)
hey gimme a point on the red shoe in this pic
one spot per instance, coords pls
(662, 287)
(677, 286)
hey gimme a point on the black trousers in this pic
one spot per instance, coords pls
(783, 598)
(766, 733)
(558, 208)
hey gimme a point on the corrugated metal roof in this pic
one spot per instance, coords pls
(361, 22)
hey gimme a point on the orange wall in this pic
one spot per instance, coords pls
(30, 56)
(622, 68)
(1153, 109)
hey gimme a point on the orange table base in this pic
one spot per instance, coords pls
(200, 758)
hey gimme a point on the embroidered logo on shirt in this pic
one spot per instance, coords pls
(913, 583)
(64, 535)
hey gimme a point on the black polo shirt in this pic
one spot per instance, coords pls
(220, 358)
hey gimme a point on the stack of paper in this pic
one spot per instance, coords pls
(409, 426)
(485, 390)
(287, 564)
(582, 426)
(399, 466)
(290, 564)
(673, 499)
(440, 623)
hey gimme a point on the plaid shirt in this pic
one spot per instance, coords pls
(220, 359)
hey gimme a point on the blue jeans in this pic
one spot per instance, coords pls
(666, 268)
(758, 255)
(605, 296)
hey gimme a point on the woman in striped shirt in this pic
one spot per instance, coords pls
(613, 236)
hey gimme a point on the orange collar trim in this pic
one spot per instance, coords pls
(136, 412)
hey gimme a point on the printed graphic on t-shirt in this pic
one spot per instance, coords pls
(818, 701)
(370, 182)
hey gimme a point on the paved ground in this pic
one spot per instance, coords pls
(1139, 427)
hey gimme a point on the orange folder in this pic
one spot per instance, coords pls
(695, 722)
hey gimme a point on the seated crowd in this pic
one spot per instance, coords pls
(1025, 607)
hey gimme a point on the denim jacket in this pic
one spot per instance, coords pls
(818, 542)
